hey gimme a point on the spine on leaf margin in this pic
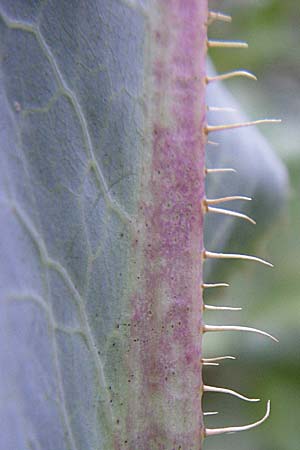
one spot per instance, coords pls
(164, 360)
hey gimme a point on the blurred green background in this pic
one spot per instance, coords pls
(270, 298)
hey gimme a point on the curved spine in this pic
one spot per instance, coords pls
(228, 212)
(209, 328)
(213, 255)
(233, 74)
(216, 431)
(207, 388)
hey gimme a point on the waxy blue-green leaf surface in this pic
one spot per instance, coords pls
(71, 136)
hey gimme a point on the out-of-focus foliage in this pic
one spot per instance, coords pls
(270, 299)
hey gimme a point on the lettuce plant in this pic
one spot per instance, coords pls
(104, 127)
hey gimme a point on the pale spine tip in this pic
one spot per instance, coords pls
(216, 328)
(213, 255)
(221, 308)
(220, 170)
(216, 201)
(228, 391)
(226, 44)
(234, 73)
(218, 16)
(227, 212)
(220, 109)
(213, 143)
(214, 285)
(218, 358)
(210, 413)
(216, 431)
(231, 126)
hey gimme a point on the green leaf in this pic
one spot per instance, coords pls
(71, 135)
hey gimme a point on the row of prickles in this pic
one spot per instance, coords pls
(212, 206)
